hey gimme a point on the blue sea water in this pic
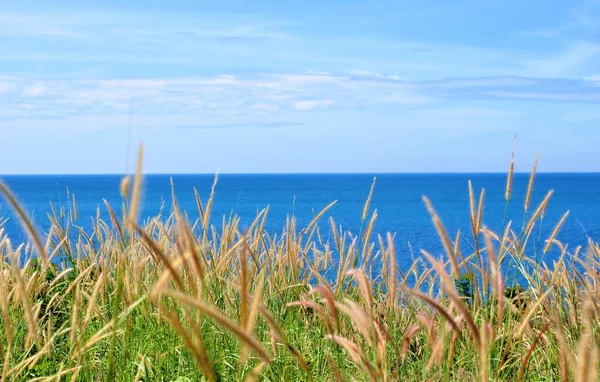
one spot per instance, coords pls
(397, 198)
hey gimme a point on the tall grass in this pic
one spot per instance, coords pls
(178, 300)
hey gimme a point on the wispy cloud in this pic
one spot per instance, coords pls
(579, 97)
(580, 21)
(5, 87)
(262, 125)
(569, 46)
(264, 107)
(223, 93)
(130, 26)
(565, 62)
(34, 90)
(274, 93)
(594, 79)
(312, 104)
(204, 39)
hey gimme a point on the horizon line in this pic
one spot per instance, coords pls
(312, 173)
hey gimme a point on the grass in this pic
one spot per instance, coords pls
(176, 300)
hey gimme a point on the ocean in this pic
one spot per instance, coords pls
(397, 198)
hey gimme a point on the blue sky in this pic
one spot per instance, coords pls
(299, 86)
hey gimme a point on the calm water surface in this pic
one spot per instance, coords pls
(397, 198)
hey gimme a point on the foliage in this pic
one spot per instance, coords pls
(185, 301)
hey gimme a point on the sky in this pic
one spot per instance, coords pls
(299, 86)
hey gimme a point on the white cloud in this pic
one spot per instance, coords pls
(151, 28)
(309, 79)
(464, 112)
(131, 83)
(311, 105)
(540, 96)
(158, 83)
(405, 98)
(274, 93)
(496, 82)
(264, 107)
(595, 79)
(375, 75)
(564, 63)
(34, 90)
(5, 87)
(226, 93)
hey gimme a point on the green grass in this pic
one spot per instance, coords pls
(172, 300)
